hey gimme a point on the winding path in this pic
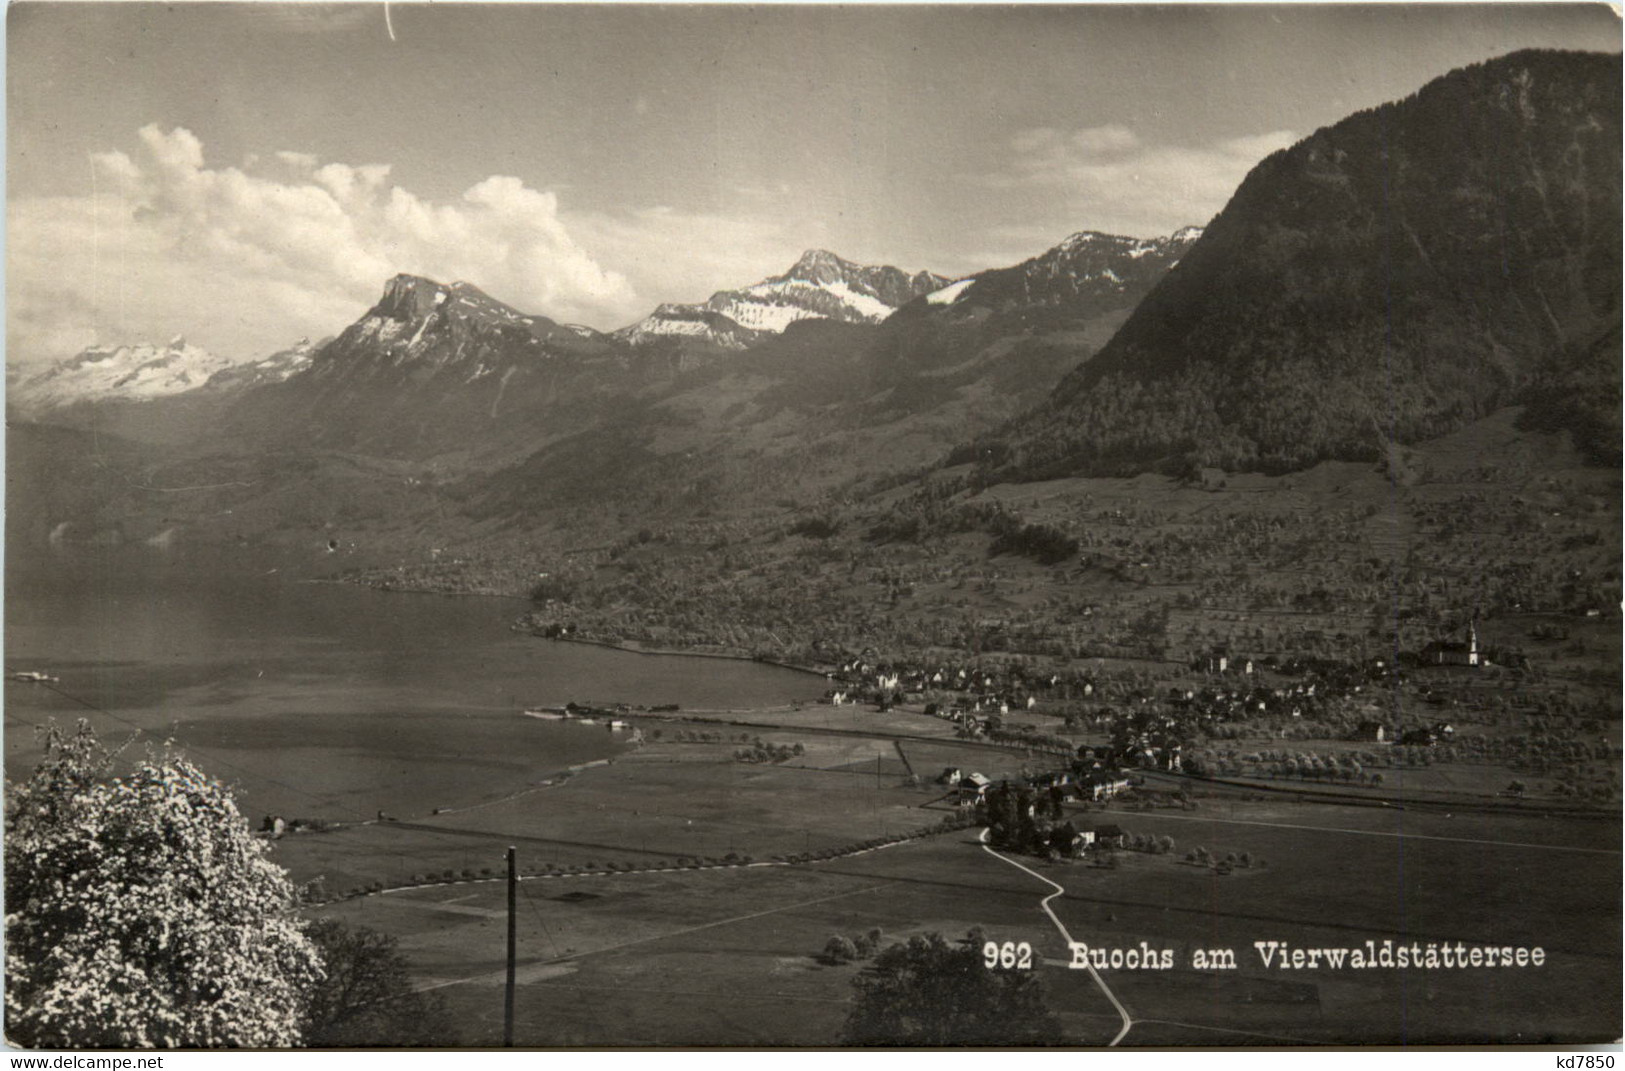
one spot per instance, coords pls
(1128, 1022)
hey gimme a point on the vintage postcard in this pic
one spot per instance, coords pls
(810, 526)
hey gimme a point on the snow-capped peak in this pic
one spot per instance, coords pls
(818, 286)
(1088, 265)
(136, 372)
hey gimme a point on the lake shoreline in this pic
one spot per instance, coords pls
(387, 590)
(629, 646)
(675, 652)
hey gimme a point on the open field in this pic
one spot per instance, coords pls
(664, 801)
(726, 955)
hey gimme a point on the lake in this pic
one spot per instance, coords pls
(322, 700)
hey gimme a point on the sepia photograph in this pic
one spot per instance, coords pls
(812, 526)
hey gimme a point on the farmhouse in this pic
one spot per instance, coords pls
(1109, 836)
(972, 786)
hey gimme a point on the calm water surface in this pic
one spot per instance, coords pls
(321, 699)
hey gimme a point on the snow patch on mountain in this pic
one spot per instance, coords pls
(273, 369)
(820, 285)
(950, 293)
(137, 372)
(764, 314)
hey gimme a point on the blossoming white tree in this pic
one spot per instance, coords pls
(142, 913)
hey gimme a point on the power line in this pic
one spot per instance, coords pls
(540, 921)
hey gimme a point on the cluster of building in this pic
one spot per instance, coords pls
(1377, 732)
(1089, 779)
(978, 689)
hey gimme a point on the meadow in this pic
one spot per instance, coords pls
(714, 950)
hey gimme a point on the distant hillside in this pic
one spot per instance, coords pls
(1388, 279)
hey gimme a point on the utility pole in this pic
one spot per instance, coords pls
(513, 946)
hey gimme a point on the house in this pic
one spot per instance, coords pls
(1110, 836)
(1067, 840)
(951, 775)
(973, 786)
(1100, 785)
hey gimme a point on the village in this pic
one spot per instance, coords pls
(1227, 715)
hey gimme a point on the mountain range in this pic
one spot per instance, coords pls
(138, 372)
(1387, 280)
(416, 318)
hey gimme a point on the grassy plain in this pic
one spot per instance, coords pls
(727, 955)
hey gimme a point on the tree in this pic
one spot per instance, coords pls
(928, 992)
(367, 1000)
(840, 949)
(869, 943)
(142, 913)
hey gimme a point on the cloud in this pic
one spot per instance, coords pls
(1095, 140)
(1258, 146)
(685, 256)
(1108, 178)
(244, 262)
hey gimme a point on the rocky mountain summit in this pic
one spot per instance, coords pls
(820, 285)
(1088, 267)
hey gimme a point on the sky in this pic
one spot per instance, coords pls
(247, 174)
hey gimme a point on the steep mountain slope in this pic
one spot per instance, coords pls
(688, 324)
(1052, 311)
(1087, 268)
(820, 285)
(273, 369)
(1389, 278)
(435, 370)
